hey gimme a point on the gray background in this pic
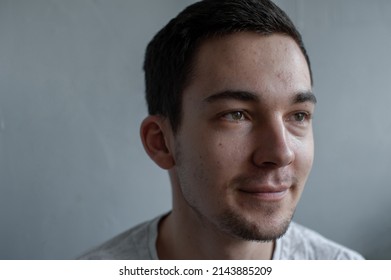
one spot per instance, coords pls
(72, 168)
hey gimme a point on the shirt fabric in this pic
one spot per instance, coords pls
(298, 243)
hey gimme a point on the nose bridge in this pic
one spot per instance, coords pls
(273, 144)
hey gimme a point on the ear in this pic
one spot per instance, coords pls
(155, 132)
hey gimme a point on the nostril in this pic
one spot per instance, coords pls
(273, 156)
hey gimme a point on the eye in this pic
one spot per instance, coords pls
(235, 116)
(300, 117)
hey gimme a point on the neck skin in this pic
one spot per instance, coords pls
(184, 234)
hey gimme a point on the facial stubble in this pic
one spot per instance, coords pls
(231, 221)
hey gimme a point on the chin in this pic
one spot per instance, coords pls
(266, 228)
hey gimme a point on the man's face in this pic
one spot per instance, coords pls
(244, 148)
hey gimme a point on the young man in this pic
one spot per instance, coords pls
(229, 92)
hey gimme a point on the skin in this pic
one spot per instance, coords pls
(243, 152)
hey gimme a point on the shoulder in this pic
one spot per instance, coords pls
(135, 243)
(302, 243)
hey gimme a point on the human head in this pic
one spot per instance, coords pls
(169, 57)
(242, 147)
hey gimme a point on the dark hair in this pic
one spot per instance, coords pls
(169, 56)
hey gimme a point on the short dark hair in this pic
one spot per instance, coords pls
(170, 54)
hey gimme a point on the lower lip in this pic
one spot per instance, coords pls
(268, 196)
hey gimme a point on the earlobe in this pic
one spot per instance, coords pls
(154, 133)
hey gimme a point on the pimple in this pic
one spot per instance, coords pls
(284, 76)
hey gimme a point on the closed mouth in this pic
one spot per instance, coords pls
(267, 193)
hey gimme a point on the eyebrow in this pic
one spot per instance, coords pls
(302, 97)
(232, 94)
(299, 97)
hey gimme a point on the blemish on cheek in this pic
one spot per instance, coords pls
(219, 165)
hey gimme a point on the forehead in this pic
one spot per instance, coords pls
(249, 62)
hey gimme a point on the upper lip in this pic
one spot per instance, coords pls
(264, 188)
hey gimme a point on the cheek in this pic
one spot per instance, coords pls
(228, 152)
(305, 155)
(211, 160)
(201, 169)
(214, 147)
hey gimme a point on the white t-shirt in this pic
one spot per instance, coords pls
(298, 243)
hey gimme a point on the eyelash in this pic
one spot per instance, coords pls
(230, 116)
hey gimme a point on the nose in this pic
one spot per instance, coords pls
(273, 145)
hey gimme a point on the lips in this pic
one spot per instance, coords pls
(266, 192)
(267, 186)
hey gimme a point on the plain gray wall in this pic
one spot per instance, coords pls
(73, 172)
